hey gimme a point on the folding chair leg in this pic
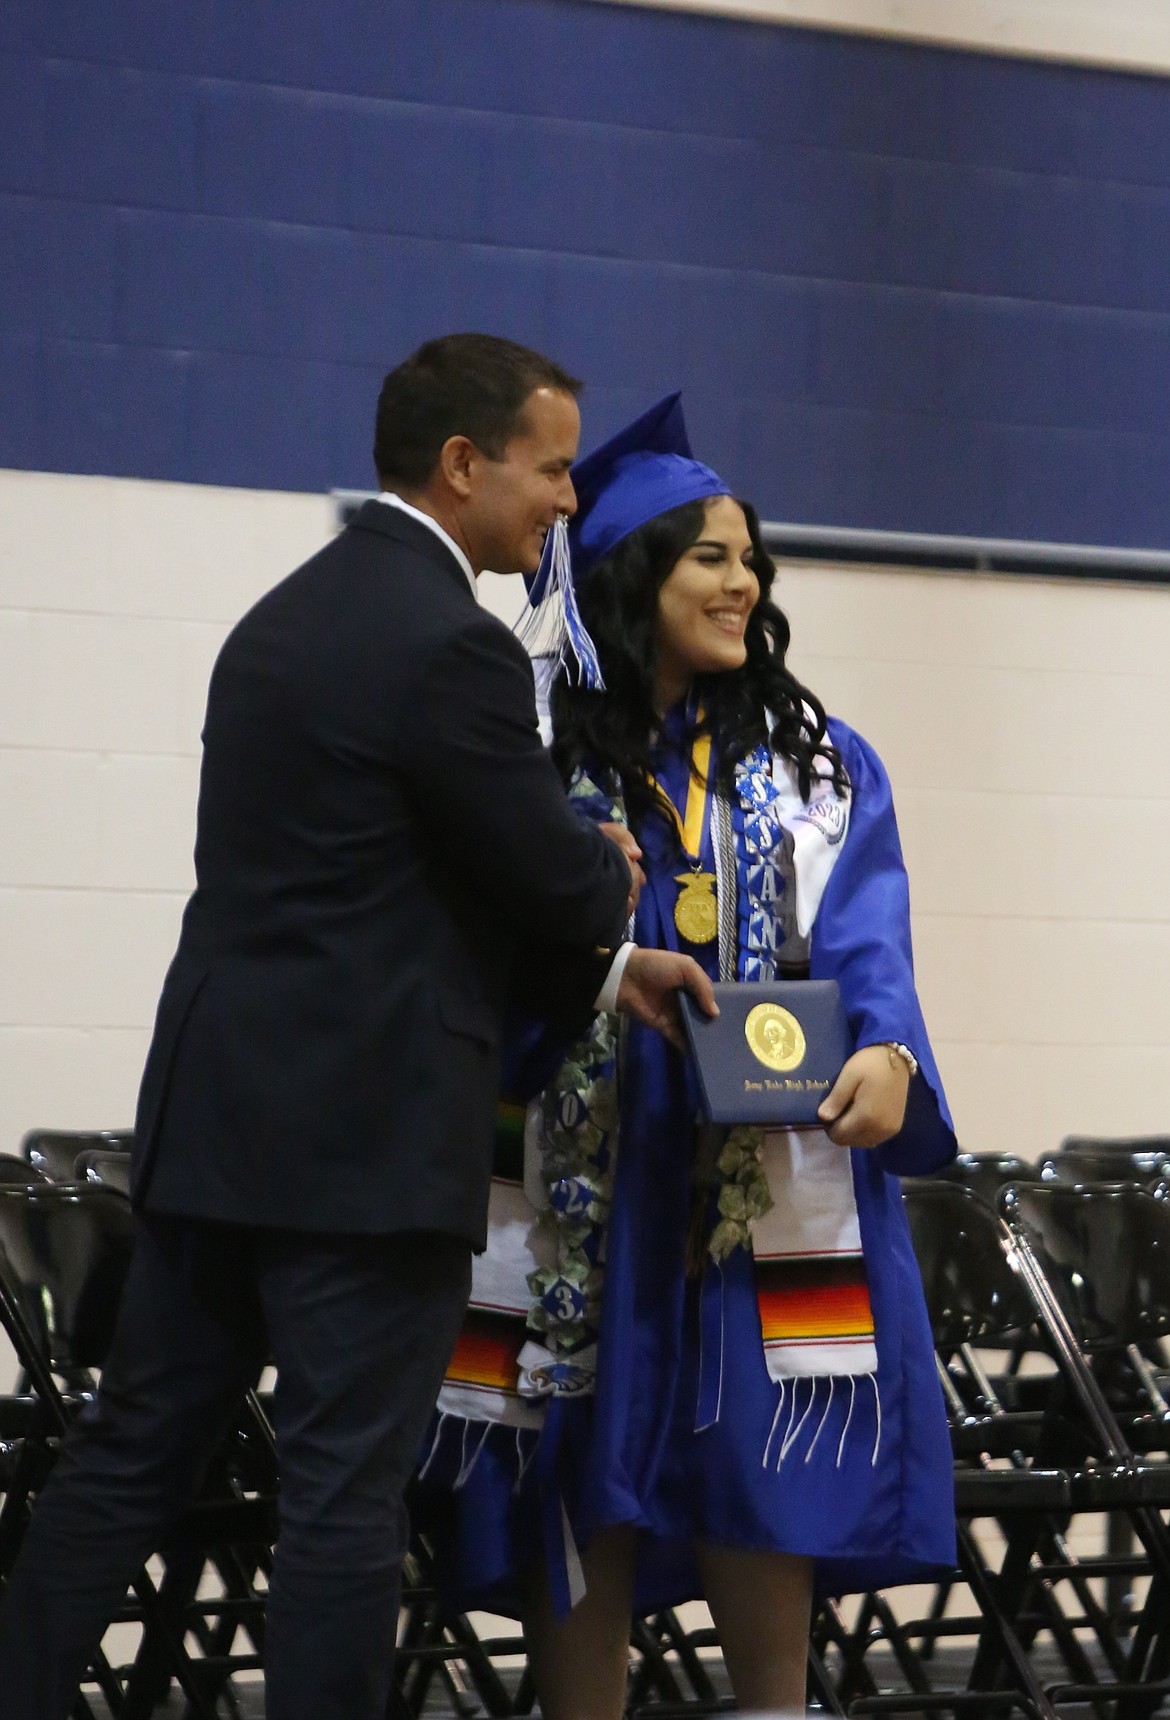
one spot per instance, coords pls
(1155, 1648)
(820, 1685)
(488, 1684)
(653, 1674)
(898, 1637)
(667, 1625)
(1000, 1645)
(1069, 1569)
(1065, 1637)
(170, 1639)
(856, 1679)
(525, 1698)
(938, 1607)
(1119, 1544)
(106, 1679)
(150, 1676)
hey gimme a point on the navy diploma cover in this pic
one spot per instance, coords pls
(772, 1053)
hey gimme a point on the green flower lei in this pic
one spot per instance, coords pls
(743, 1190)
(579, 1146)
(578, 1149)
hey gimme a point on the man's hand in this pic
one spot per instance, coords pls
(868, 1100)
(650, 986)
(623, 837)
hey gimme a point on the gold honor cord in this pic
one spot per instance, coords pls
(696, 913)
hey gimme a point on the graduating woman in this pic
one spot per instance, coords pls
(700, 1365)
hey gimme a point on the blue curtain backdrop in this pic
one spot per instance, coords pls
(901, 287)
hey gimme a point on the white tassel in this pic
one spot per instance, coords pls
(792, 1438)
(848, 1418)
(468, 1465)
(775, 1422)
(553, 628)
(524, 1464)
(444, 1417)
(784, 1443)
(793, 1433)
(824, 1419)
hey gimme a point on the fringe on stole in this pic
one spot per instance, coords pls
(566, 1575)
(796, 1427)
(471, 1448)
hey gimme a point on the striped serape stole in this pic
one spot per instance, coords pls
(482, 1380)
(815, 1313)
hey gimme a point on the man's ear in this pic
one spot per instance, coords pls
(457, 457)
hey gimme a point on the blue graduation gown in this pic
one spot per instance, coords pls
(873, 1505)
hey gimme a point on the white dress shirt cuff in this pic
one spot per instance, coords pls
(607, 996)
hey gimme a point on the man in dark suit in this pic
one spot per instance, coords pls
(384, 856)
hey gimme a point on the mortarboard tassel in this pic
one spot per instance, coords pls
(553, 629)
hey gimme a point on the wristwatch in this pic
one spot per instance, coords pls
(897, 1049)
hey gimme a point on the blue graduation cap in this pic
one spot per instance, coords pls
(643, 471)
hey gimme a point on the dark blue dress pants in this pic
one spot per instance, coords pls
(360, 1329)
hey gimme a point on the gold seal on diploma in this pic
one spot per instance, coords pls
(696, 913)
(775, 1037)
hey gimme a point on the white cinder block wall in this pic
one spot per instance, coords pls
(114, 598)
(1023, 723)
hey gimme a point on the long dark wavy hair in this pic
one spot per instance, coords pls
(613, 731)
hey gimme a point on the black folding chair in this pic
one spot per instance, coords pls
(975, 1298)
(1142, 1159)
(986, 1173)
(54, 1151)
(14, 1170)
(63, 1257)
(104, 1170)
(668, 1673)
(1098, 1260)
(434, 1646)
(1149, 1145)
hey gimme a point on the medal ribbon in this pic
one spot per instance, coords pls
(690, 829)
(695, 912)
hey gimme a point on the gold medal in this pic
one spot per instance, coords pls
(696, 913)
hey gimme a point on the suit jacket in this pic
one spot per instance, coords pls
(383, 847)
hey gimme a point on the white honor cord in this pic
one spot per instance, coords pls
(719, 1396)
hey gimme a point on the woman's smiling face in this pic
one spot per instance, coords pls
(704, 604)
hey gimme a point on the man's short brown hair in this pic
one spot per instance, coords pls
(472, 385)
